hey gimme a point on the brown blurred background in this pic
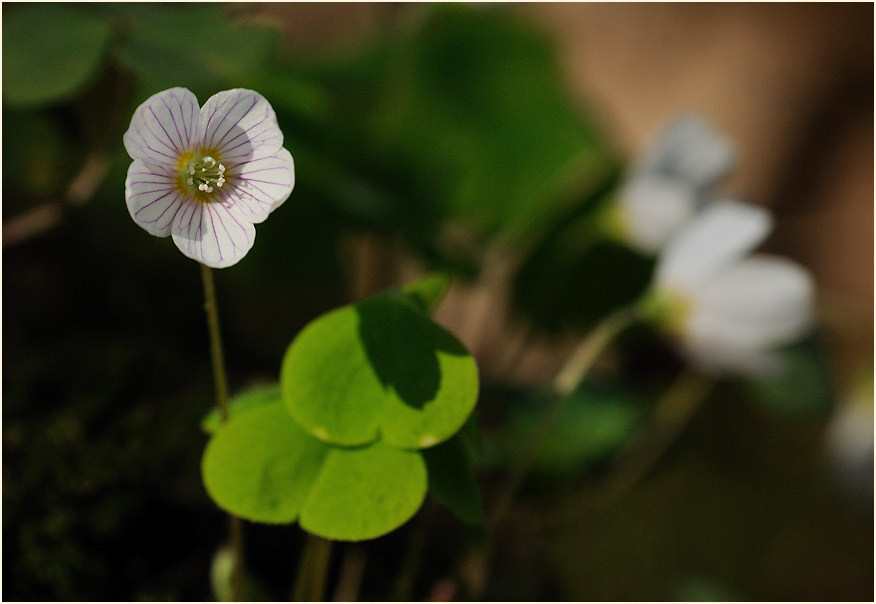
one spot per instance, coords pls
(792, 84)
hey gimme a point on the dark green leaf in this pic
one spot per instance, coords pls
(576, 276)
(452, 480)
(428, 291)
(803, 388)
(50, 52)
(594, 422)
(36, 159)
(191, 45)
(473, 107)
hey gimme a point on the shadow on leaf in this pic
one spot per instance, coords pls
(402, 345)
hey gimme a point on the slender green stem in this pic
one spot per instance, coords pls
(220, 379)
(572, 374)
(580, 363)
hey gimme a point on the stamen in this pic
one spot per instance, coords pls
(206, 173)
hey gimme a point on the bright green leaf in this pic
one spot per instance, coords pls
(260, 465)
(365, 493)
(50, 52)
(379, 368)
(263, 467)
(452, 479)
(241, 403)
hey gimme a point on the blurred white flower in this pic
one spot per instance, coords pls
(670, 181)
(206, 175)
(728, 310)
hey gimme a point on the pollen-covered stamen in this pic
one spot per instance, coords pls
(206, 173)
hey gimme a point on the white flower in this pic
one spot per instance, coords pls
(729, 310)
(669, 182)
(206, 175)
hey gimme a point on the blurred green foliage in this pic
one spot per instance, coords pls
(803, 388)
(459, 123)
(50, 52)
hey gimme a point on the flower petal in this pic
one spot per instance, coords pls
(163, 127)
(692, 149)
(241, 125)
(722, 233)
(261, 186)
(212, 233)
(152, 197)
(760, 302)
(654, 208)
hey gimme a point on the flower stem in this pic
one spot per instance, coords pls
(320, 572)
(565, 382)
(312, 570)
(220, 379)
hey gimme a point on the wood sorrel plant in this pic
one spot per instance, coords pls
(370, 396)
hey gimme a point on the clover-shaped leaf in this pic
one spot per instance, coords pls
(380, 368)
(261, 466)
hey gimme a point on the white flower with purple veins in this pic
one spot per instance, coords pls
(729, 310)
(670, 181)
(206, 176)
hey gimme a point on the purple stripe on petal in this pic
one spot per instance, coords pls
(221, 142)
(242, 126)
(212, 233)
(261, 186)
(152, 199)
(163, 127)
(179, 137)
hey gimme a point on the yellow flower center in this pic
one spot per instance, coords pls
(666, 309)
(201, 173)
